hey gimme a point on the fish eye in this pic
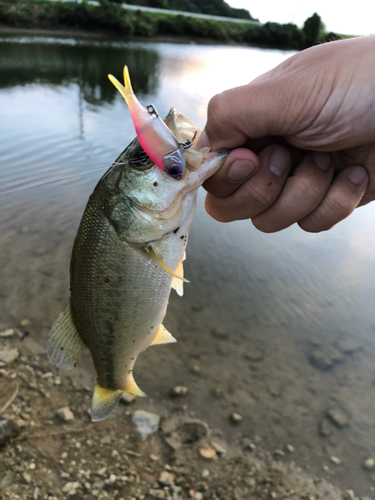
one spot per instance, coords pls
(174, 164)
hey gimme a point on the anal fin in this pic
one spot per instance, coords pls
(65, 347)
(178, 284)
(104, 401)
(163, 265)
(163, 337)
(133, 388)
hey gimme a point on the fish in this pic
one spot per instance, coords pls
(127, 256)
(157, 140)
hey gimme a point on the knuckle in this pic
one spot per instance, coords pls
(260, 196)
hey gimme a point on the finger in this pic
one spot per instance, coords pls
(257, 193)
(240, 165)
(342, 198)
(301, 194)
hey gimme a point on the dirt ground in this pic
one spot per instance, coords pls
(50, 449)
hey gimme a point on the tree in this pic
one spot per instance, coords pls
(311, 29)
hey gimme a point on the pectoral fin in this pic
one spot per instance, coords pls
(163, 336)
(163, 265)
(65, 347)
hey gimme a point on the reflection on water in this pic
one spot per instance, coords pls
(260, 309)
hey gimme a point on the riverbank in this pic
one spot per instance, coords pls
(50, 450)
(114, 20)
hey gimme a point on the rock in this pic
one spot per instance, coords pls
(25, 322)
(235, 418)
(338, 417)
(146, 423)
(178, 391)
(220, 450)
(321, 360)
(207, 451)
(128, 398)
(279, 453)
(219, 333)
(205, 473)
(369, 464)
(335, 460)
(10, 332)
(166, 478)
(290, 448)
(8, 355)
(349, 346)
(325, 428)
(8, 429)
(157, 494)
(348, 495)
(174, 441)
(70, 488)
(115, 454)
(26, 477)
(192, 431)
(65, 414)
(154, 458)
(253, 355)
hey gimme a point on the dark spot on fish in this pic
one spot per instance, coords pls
(175, 231)
(152, 327)
(132, 359)
(61, 349)
(106, 280)
(133, 340)
(155, 184)
(182, 237)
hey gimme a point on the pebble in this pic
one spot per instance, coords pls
(157, 494)
(325, 428)
(65, 414)
(8, 355)
(8, 333)
(349, 346)
(146, 423)
(26, 477)
(70, 488)
(207, 451)
(205, 473)
(178, 391)
(166, 478)
(174, 442)
(25, 322)
(8, 429)
(128, 398)
(321, 360)
(335, 460)
(369, 464)
(253, 355)
(338, 417)
(219, 333)
(348, 495)
(235, 418)
(154, 458)
(290, 448)
(220, 450)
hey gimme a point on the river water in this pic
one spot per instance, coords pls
(258, 307)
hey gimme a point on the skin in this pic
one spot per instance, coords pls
(304, 140)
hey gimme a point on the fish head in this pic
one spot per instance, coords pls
(155, 202)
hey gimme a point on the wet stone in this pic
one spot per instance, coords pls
(8, 429)
(338, 417)
(146, 423)
(369, 464)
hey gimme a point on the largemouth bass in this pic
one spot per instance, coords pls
(126, 257)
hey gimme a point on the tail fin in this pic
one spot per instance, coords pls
(104, 401)
(127, 90)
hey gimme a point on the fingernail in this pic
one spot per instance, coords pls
(322, 160)
(240, 170)
(280, 162)
(357, 175)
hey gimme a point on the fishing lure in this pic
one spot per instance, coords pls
(156, 139)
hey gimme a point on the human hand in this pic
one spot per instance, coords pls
(313, 116)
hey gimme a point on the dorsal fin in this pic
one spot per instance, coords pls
(163, 337)
(65, 347)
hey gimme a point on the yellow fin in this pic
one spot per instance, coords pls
(163, 265)
(133, 388)
(163, 336)
(177, 284)
(104, 401)
(127, 90)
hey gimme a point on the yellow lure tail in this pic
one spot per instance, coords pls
(124, 91)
